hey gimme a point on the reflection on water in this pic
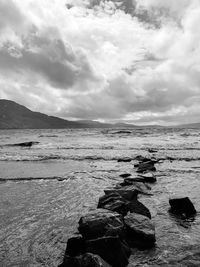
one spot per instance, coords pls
(38, 216)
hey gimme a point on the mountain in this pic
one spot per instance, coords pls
(15, 116)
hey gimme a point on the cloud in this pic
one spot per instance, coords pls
(93, 59)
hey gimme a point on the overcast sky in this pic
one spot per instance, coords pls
(132, 60)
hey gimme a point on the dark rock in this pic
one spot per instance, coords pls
(95, 224)
(113, 202)
(182, 206)
(124, 160)
(26, 144)
(137, 207)
(127, 192)
(140, 231)
(110, 249)
(75, 246)
(139, 179)
(125, 175)
(85, 260)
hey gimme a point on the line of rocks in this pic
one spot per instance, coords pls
(121, 222)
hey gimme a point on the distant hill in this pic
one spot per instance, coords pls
(15, 116)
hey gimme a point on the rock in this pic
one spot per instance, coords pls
(113, 202)
(125, 175)
(149, 177)
(146, 166)
(110, 249)
(127, 192)
(142, 188)
(26, 144)
(151, 150)
(137, 207)
(182, 206)
(75, 246)
(85, 260)
(95, 224)
(124, 160)
(140, 231)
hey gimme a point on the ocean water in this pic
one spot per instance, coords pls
(46, 188)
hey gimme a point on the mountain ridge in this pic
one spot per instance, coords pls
(17, 116)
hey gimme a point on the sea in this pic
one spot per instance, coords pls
(46, 188)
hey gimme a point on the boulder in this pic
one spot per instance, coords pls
(142, 188)
(85, 260)
(140, 231)
(113, 202)
(148, 177)
(75, 246)
(110, 249)
(136, 206)
(182, 206)
(151, 150)
(95, 224)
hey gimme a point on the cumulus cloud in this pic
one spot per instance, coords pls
(133, 60)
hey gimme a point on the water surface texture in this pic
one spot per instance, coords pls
(46, 188)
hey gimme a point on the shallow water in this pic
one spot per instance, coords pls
(71, 168)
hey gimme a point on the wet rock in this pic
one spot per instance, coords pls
(139, 208)
(113, 202)
(122, 132)
(127, 192)
(85, 260)
(75, 246)
(110, 249)
(125, 175)
(124, 160)
(182, 206)
(95, 224)
(140, 231)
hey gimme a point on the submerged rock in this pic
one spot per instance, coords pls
(146, 166)
(109, 248)
(85, 260)
(95, 224)
(140, 231)
(182, 206)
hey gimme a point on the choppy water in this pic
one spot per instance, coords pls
(37, 216)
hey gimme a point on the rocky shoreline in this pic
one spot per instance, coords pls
(121, 222)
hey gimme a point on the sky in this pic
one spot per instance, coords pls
(136, 61)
